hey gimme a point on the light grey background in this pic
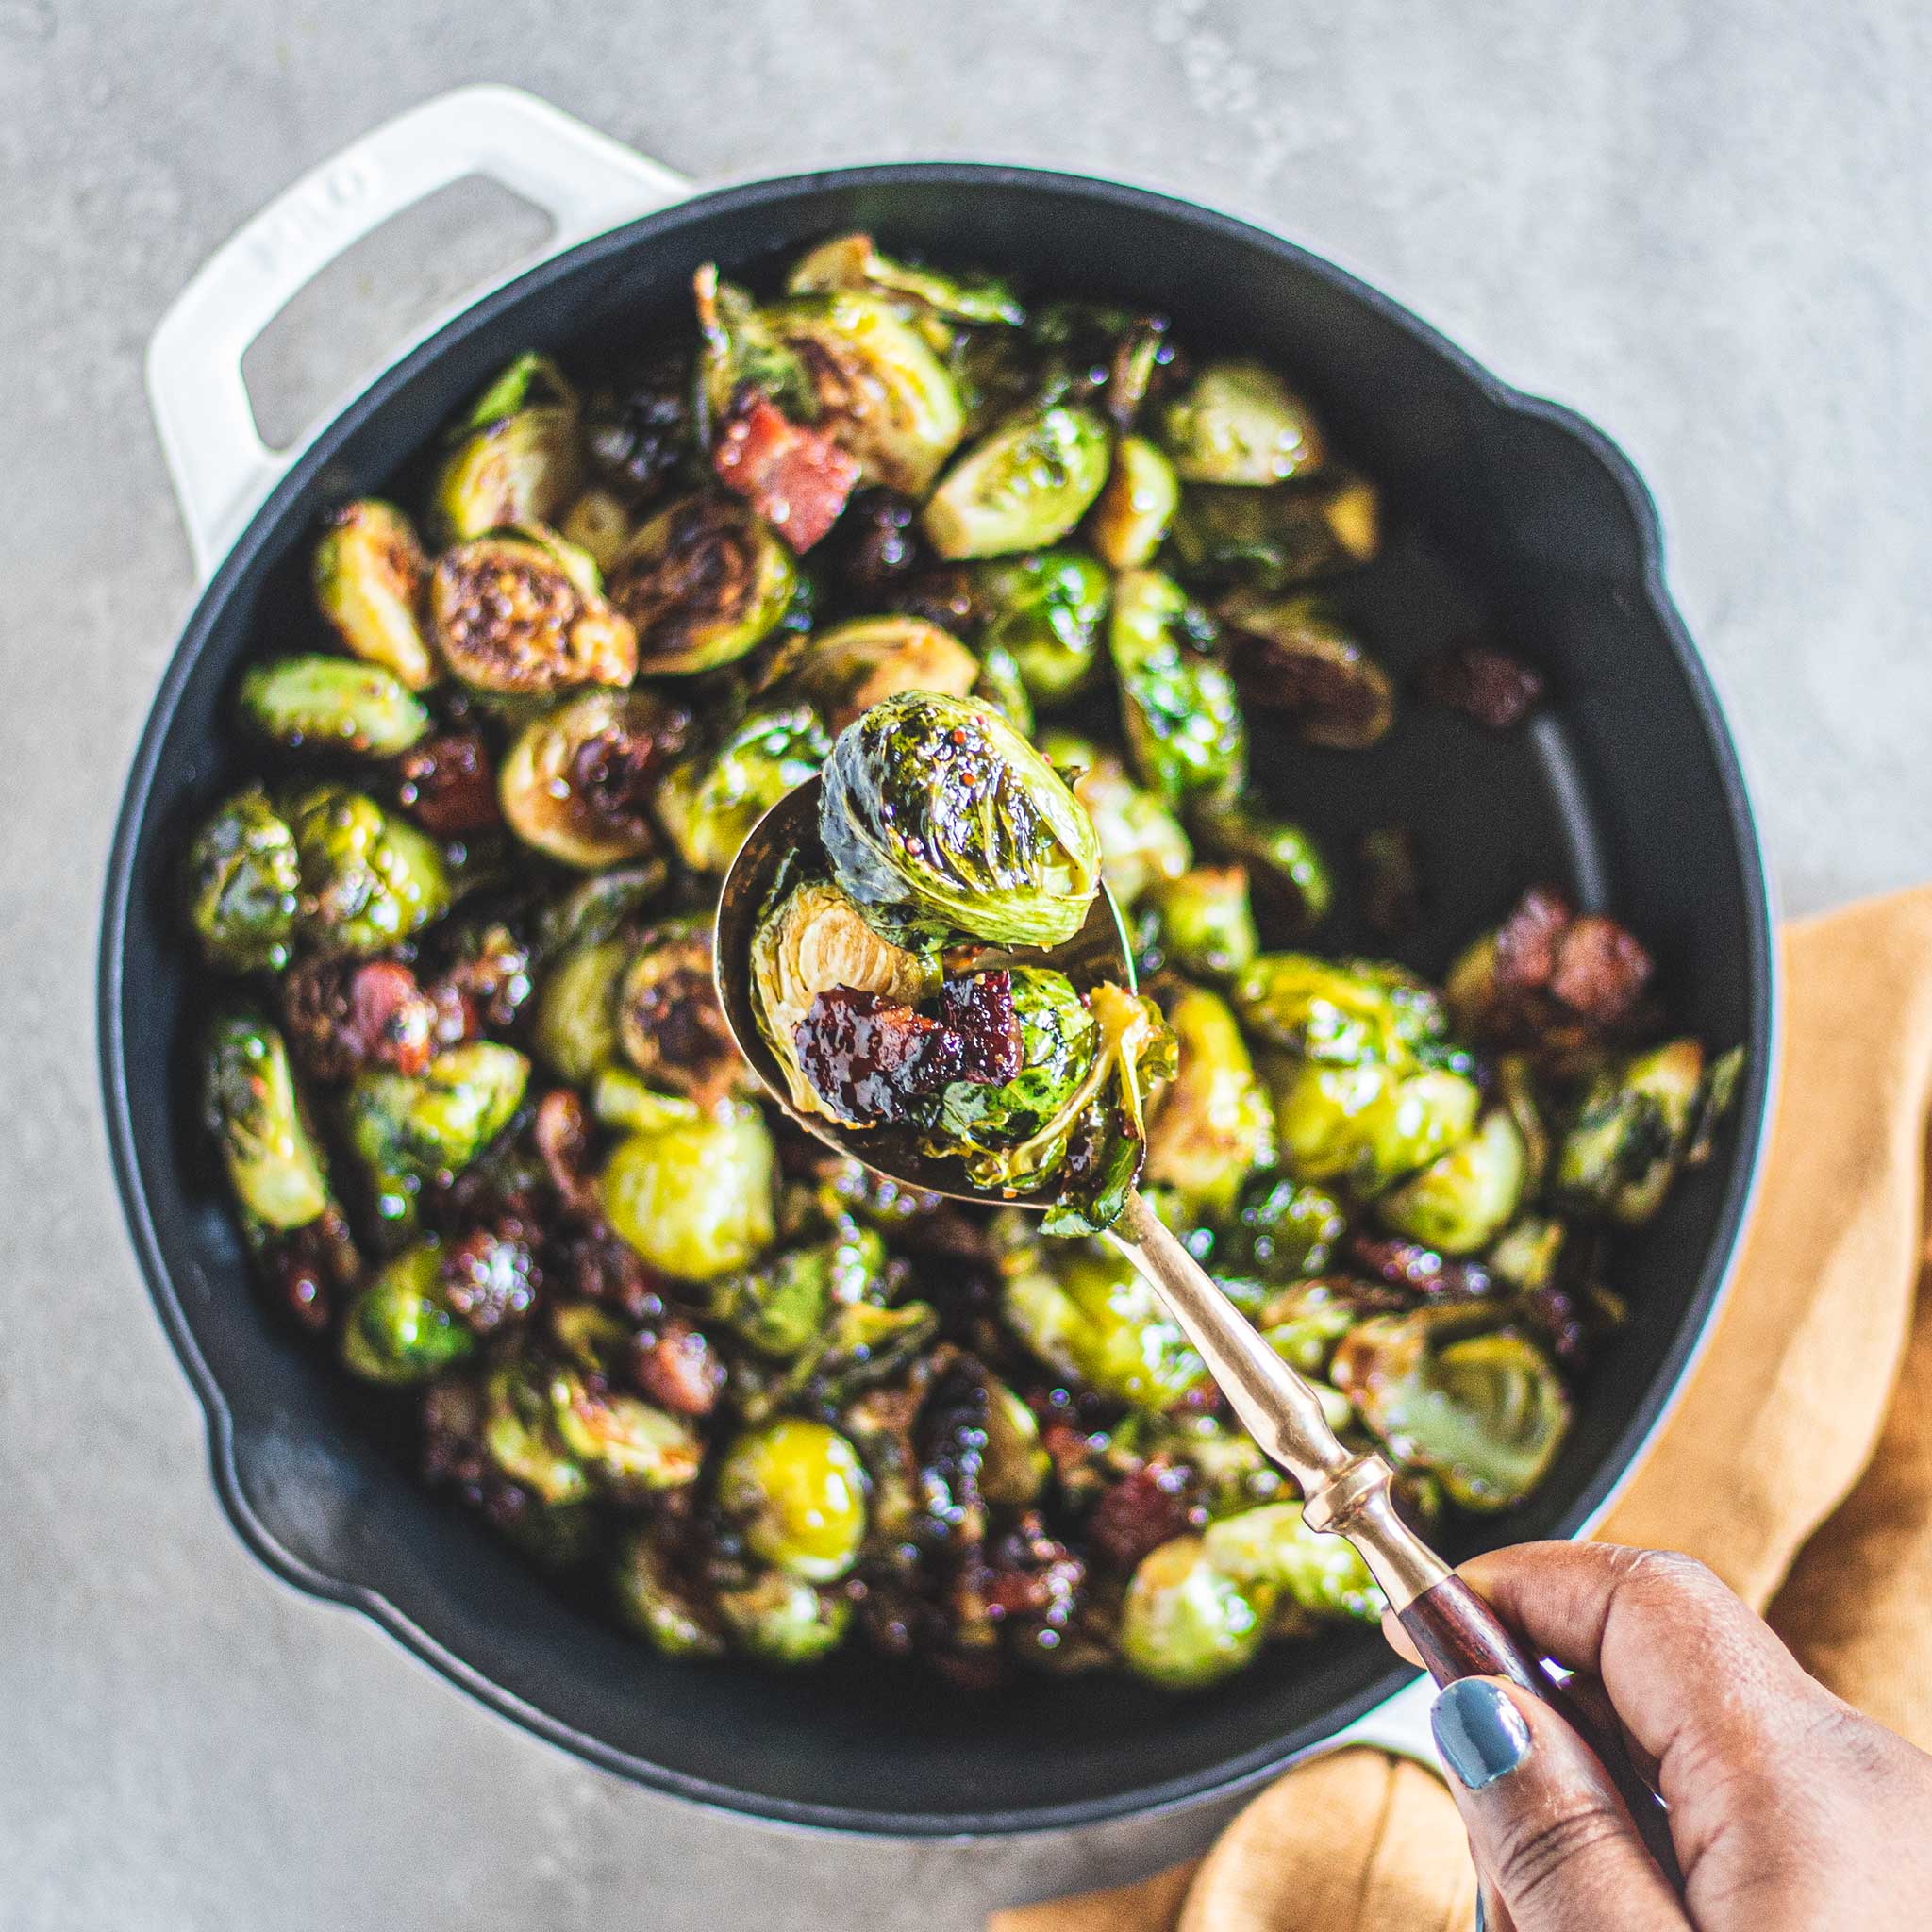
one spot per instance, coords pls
(1703, 223)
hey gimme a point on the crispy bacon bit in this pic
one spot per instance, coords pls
(1600, 970)
(1496, 689)
(980, 1009)
(796, 478)
(345, 1014)
(1526, 941)
(562, 1133)
(677, 1368)
(1409, 1265)
(490, 1277)
(448, 785)
(1560, 979)
(599, 1268)
(1139, 1513)
(1032, 1574)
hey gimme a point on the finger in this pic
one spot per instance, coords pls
(1551, 1837)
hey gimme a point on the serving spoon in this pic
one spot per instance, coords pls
(1344, 1491)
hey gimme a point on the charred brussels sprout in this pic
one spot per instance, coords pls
(1369, 1123)
(370, 573)
(1293, 656)
(656, 1602)
(1134, 512)
(243, 882)
(1141, 840)
(255, 1112)
(1178, 710)
(1282, 858)
(1274, 1548)
(1204, 922)
(1630, 1133)
(1451, 1389)
(784, 1620)
(1046, 611)
(519, 612)
(853, 262)
(672, 1028)
(1459, 1203)
(519, 1435)
(332, 704)
(786, 1304)
(369, 878)
(852, 667)
(1282, 1230)
(400, 1327)
(627, 1445)
(517, 460)
(1025, 485)
(1057, 1043)
(575, 1032)
(694, 1200)
(1185, 1622)
(1341, 1012)
(1268, 540)
(579, 782)
(701, 583)
(1240, 423)
(795, 1489)
(713, 796)
(938, 817)
(1213, 1124)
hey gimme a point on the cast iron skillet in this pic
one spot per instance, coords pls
(1506, 511)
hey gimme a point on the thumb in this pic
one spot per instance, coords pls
(1551, 1837)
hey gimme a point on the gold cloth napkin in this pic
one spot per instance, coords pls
(1798, 1463)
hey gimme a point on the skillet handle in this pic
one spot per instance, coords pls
(583, 180)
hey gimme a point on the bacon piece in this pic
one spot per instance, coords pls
(677, 1368)
(1496, 689)
(1600, 970)
(343, 1015)
(796, 478)
(448, 785)
(1139, 1513)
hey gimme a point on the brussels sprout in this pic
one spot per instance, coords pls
(861, 1343)
(1288, 862)
(244, 881)
(598, 908)
(712, 798)
(1213, 1124)
(1000, 685)
(851, 261)
(938, 817)
(1178, 710)
(578, 780)
(255, 1112)
(627, 1443)
(1056, 1041)
(1135, 509)
(1526, 1253)
(672, 1028)
(369, 573)
(1447, 1388)
(1240, 423)
(701, 583)
(1281, 1230)
(1045, 610)
(518, 462)
(600, 526)
(519, 1435)
(1015, 1466)
(1340, 1012)
(796, 1491)
(576, 1030)
(1272, 1546)
(1204, 922)
(694, 1201)
(1369, 1124)
(519, 612)
(1268, 540)
(1292, 655)
(655, 1602)
(784, 1304)
(413, 1127)
(332, 704)
(400, 1327)
(620, 1100)
(1630, 1133)
(1459, 1203)
(784, 1620)
(369, 878)
(1185, 1622)
(1304, 1326)
(852, 667)
(1023, 486)
(1141, 840)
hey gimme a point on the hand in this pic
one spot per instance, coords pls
(1790, 1811)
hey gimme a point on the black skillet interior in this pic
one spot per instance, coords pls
(1506, 513)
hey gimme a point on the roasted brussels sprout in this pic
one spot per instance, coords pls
(400, 1327)
(784, 1620)
(695, 1200)
(576, 1032)
(1292, 655)
(332, 704)
(785, 1304)
(369, 878)
(656, 1603)
(1023, 486)
(1459, 1203)
(1631, 1130)
(1369, 1124)
(1045, 610)
(1057, 1043)
(1185, 1622)
(599, 524)
(795, 1489)
(519, 611)
(1282, 860)
(620, 1100)
(1141, 840)
(1281, 1230)
(255, 1112)
(1274, 1548)
(1342, 1013)
(520, 1434)
(244, 881)
(1213, 1124)
(1135, 509)
(672, 1028)
(852, 261)
(369, 572)
(701, 583)
(1269, 540)
(852, 667)
(715, 794)
(579, 782)
(518, 460)
(1240, 423)
(623, 1442)
(1178, 711)
(1204, 921)
(1448, 1388)
(938, 817)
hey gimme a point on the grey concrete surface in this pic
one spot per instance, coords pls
(1703, 222)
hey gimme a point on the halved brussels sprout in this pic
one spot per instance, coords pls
(1045, 610)
(400, 1327)
(1459, 1203)
(1213, 1124)
(852, 261)
(255, 1112)
(368, 877)
(1282, 858)
(1339, 1011)
(710, 799)
(1293, 655)
(1057, 1037)
(1369, 1122)
(1526, 1253)
(520, 1434)
(519, 462)
(1268, 540)
(938, 817)
(1141, 840)
(369, 572)
(1178, 710)
(1023, 486)
(656, 1602)
(599, 908)
(795, 1489)
(784, 1620)
(1282, 1230)
(1204, 922)
(579, 781)
(695, 1200)
(1450, 1389)
(852, 667)
(244, 881)
(625, 1444)
(1135, 509)
(701, 583)
(672, 1029)
(1631, 1131)
(784, 1304)
(1238, 423)
(1185, 1622)
(620, 1100)
(600, 526)
(332, 704)
(519, 612)
(1273, 1547)
(575, 1029)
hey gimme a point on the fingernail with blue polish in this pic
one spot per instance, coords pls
(1481, 1735)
